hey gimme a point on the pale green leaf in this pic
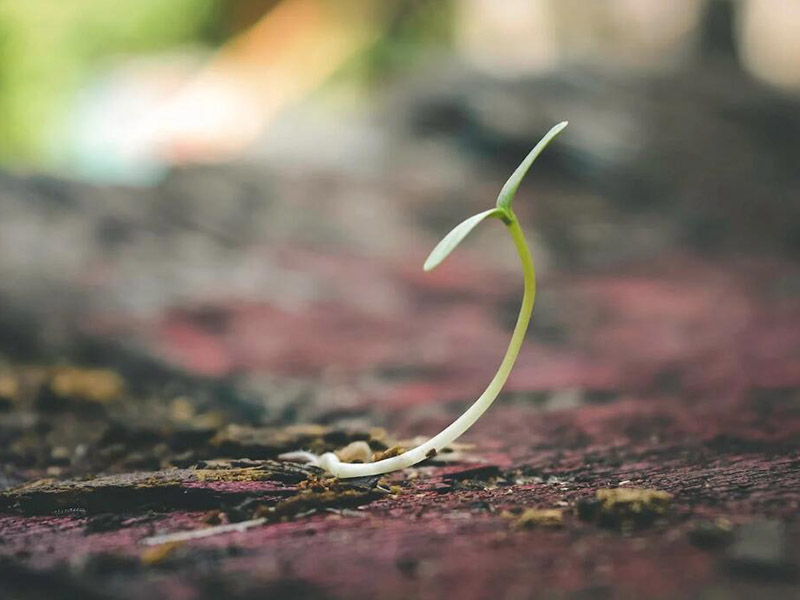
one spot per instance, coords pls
(458, 233)
(510, 188)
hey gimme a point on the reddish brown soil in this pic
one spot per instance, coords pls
(682, 379)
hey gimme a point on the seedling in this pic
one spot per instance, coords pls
(502, 211)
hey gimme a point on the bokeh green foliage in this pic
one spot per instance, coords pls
(411, 31)
(48, 47)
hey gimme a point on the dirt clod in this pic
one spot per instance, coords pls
(388, 453)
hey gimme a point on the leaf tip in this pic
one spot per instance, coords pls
(430, 264)
(506, 196)
(453, 239)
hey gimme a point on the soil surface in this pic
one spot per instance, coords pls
(633, 456)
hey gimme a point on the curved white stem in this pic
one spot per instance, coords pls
(331, 463)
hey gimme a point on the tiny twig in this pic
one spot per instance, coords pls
(196, 534)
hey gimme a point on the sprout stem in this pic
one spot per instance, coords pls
(331, 463)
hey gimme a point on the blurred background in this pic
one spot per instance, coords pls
(245, 190)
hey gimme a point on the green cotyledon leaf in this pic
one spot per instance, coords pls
(458, 233)
(506, 195)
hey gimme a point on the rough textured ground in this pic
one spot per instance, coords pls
(646, 398)
(159, 349)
